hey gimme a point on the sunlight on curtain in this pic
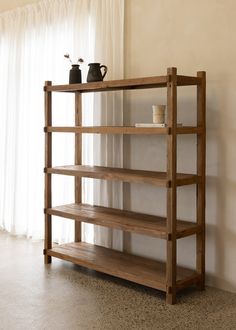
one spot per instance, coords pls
(109, 111)
(33, 40)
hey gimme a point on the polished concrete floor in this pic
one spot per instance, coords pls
(64, 296)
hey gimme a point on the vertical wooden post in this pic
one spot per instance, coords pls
(201, 172)
(171, 190)
(78, 159)
(47, 176)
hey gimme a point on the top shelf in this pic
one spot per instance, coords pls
(124, 84)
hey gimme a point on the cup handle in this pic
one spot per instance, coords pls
(105, 70)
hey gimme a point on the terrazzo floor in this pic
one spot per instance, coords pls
(65, 296)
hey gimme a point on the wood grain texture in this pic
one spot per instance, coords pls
(187, 80)
(78, 160)
(171, 191)
(47, 176)
(189, 130)
(130, 267)
(124, 84)
(124, 130)
(112, 85)
(110, 130)
(138, 223)
(201, 171)
(121, 174)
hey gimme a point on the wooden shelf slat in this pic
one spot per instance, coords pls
(122, 130)
(189, 130)
(126, 266)
(121, 174)
(112, 85)
(110, 130)
(187, 80)
(138, 223)
(124, 84)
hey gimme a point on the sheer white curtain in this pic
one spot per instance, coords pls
(109, 111)
(33, 40)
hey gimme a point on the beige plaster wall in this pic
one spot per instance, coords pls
(191, 35)
(10, 4)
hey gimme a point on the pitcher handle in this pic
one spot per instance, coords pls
(105, 70)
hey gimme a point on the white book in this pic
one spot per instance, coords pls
(149, 125)
(154, 125)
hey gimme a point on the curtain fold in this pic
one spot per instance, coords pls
(108, 149)
(33, 40)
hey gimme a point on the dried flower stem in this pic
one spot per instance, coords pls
(80, 60)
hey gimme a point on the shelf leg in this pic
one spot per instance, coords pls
(78, 160)
(47, 240)
(171, 262)
(201, 172)
(48, 179)
(171, 298)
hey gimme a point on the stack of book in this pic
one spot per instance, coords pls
(153, 125)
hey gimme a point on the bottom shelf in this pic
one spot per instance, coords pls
(126, 266)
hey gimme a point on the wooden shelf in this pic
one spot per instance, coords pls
(129, 267)
(124, 84)
(138, 223)
(123, 130)
(110, 130)
(167, 277)
(121, 174)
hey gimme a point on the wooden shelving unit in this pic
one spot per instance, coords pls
(167, 277)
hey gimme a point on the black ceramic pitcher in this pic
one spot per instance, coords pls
(94, 73)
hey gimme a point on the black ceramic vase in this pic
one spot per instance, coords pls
(75, 74)
(94, 73)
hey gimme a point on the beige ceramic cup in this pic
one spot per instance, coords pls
(158, 114)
